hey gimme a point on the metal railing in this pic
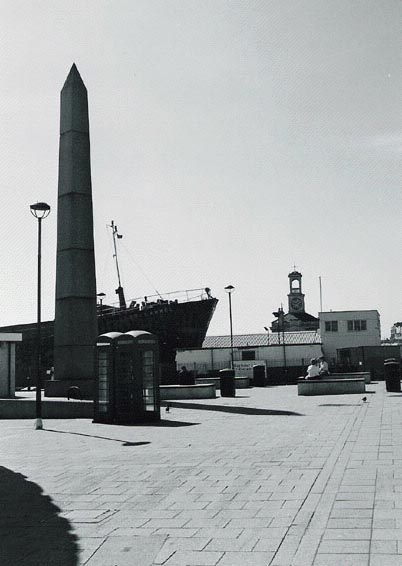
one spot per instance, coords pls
(150, 301)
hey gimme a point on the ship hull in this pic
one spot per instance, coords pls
(177, 325)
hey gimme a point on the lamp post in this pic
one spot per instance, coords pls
(39, 210)
(101, 297)
(267, 331)
(229, 290)
(281, 327)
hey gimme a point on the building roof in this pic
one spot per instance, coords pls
(303, 316)
(349, 311)
(253, 340)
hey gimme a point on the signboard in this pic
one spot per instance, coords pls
(245, 367)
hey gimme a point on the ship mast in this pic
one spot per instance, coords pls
(119, 290)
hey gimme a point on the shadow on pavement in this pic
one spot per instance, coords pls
(232, 409)
(31, 530)
(123, 442)
(169, 423)
(340, 405)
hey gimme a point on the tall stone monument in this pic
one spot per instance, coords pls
(75, 328)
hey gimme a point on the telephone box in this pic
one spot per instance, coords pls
(104, 391)
(128, 378)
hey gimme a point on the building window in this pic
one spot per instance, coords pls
(357, 325)
(331, 326)
(248, 355)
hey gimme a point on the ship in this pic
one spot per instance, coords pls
(180, 319)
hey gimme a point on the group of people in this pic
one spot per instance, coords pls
(318, 367)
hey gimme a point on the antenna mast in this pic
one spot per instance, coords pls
(320, 293)
(119, 290)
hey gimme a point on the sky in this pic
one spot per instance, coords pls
(231, 140)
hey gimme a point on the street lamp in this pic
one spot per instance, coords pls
(40, 210)
(281, 327)
(267, 331)
(229, 290)
(101, 297)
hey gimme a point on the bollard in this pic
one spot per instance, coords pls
(392, 370)
(258, 376)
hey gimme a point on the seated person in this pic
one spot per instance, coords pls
(312, 371)
(323, 366)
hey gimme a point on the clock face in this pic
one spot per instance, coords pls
(296, 303)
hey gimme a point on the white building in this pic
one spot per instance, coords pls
(396, 333)
(348, 329)
(289, 349)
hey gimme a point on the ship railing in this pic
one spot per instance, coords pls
(150, 301)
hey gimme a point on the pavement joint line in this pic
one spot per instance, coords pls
(375, 490)
(327, 497)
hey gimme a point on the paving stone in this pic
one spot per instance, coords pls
(345, 523)
(268, 544)
(344, 547)
(194, 558)
(242, 543)
(127, 551)
(246, 559)
(384, 547)
(345, 512)
(171, 545)
(343, 560)
(218, 533)
(382, 560)
(387, 534)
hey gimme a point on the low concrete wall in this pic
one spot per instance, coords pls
(353, 375)
(73, 409)
(26, 409)
(171, 392)
(58, 388)
(330, 386)
(240, 382)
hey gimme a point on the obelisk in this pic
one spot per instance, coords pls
(75, 328)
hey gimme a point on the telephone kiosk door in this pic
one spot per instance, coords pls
(136, 388)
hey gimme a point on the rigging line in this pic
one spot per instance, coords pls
(140, 268)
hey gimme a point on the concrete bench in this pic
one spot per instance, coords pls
(204, 391)
(352, 375)
(330, 386)
(240, 382)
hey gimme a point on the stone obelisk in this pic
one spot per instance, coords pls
(75, 328)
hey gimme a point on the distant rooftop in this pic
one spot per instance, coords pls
(303, 316)
(244, 340)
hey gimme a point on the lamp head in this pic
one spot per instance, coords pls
(229, 289)
(40, 210)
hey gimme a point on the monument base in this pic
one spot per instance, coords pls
(60, 388)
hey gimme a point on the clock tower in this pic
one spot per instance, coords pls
(295, 295)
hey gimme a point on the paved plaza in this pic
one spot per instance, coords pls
(266, 478)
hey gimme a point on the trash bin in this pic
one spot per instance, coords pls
(392, 370)
(259, 376)
(227, 382)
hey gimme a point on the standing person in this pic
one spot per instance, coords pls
(185, 377)
(312, 371)
(323, 366)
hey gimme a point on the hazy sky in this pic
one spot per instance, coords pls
(230, 140)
